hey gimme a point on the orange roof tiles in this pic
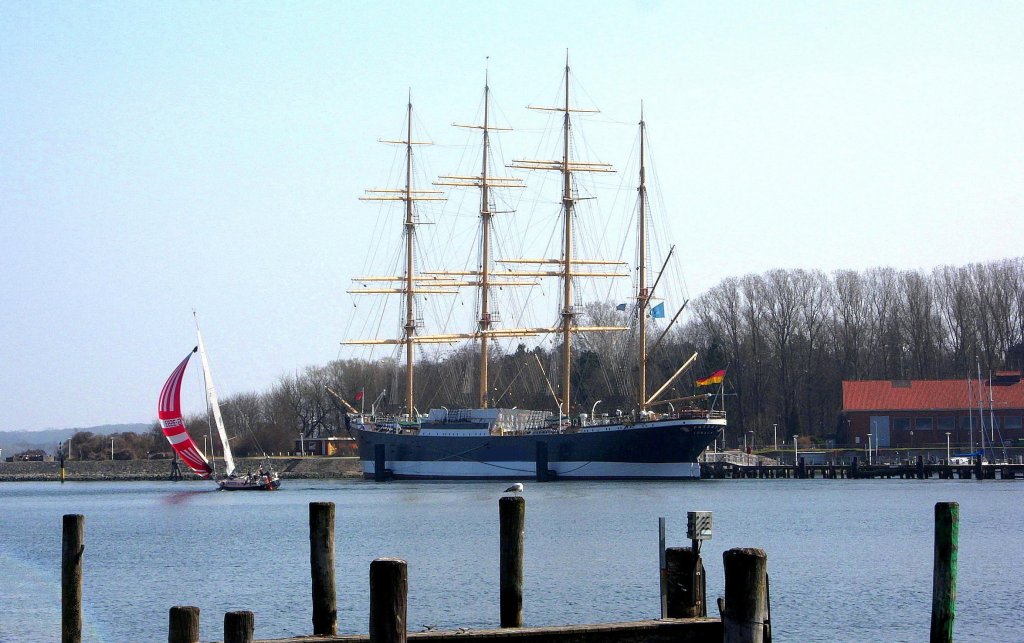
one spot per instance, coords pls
(918, 395)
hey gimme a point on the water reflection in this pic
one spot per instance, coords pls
(182, 497)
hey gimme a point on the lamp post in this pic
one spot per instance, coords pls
(869, 448)
(745, 442)
(111, 448)
(751, 440)
(947, 447)
(775, 433)
(302, 445)
(796, 452)
(911, 438)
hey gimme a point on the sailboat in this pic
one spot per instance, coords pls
(173, 426)
(509, 443)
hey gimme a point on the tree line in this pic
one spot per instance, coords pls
(787, 338)
(790, 337)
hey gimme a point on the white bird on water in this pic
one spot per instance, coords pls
(516, 488)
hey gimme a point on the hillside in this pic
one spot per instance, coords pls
(12, 442)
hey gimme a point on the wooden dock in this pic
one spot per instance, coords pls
(919, 470)
(745, 608)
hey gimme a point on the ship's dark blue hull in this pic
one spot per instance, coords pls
(656, 450)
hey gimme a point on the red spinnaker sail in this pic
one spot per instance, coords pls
(169, 412)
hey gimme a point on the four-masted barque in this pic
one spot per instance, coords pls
(486, 442)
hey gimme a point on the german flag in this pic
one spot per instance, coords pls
(715, 378)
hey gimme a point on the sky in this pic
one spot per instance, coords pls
(157, 158)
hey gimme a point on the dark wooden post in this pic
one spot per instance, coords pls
(321, 567)
(979, 472)
(542, 462)
(920, 467)
(512, 515)
(686, 586)
(183, 624)
(380, 472)
(947, 529)
(389, 591)
(239, 627)
(803, 469)
(853, 468)
(72, 550)
(746, 598)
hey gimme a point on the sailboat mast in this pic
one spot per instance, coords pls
(211, 396)
(567, 208)
(642, 294)
(981, 409)
(410, 231)
(485, 253)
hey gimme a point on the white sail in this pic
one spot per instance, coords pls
(211, 395)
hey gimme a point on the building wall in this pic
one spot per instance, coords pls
(327, 446)
(927, 428)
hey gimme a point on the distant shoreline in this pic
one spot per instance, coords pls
(153, 470)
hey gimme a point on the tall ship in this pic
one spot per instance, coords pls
(656, 439)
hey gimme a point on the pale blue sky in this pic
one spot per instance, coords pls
(156, 157)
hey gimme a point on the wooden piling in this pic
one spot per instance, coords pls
(512, 516)
(183, 624)
(979, 472)
(947, 529)
(920, 467)
(72, 550)
(746, 600)
(321, 566)
(662, 571)
(686, 587)
(542, 462)
(239, 627)
(389, 591)
(380, 472)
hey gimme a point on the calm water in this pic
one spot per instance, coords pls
(848, 556)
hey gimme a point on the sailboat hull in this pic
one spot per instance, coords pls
(243, 484)
(664, 449)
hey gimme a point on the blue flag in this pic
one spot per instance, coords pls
(621, 307)
(657, 312)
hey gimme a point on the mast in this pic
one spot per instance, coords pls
(485, 252)
(567, 209)
(211, 396)
(970, 411)
(991, 416)
(981, 408)
(482, 278)
(409, 280)
(643, 296)
(410, 233)
(568, 267)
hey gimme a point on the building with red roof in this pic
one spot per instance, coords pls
(919, 413)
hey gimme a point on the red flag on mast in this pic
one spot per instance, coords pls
(715, 378)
